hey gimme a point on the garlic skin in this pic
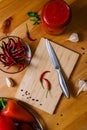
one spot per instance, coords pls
(73, 37)
(9, 82)
(82, 86)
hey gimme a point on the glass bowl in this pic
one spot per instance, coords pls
(38, 124)
(15, 54)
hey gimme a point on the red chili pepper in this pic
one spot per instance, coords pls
(7, 123)
(48, 86)
(19, 44)
(28, 34)
(6, 51)
(11, 64)
(3, 59)
(12, 52)
(12, 44)
(21, 64)
(6, 25)
(18, 52)
(42, 76)
(22, 56)
(17, 112)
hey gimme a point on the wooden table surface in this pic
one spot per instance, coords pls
(71, 114)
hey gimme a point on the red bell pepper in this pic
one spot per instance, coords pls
(17, 112)
(25, 126)
(6, 123)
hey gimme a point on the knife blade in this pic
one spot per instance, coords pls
(57, 67)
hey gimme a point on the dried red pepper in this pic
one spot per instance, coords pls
(42, 76)
(6, 25)
(13, 53)
(19, 45)
(28, 34)
(12, 44)
(17, 112)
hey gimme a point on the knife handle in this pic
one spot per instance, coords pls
(62, 83)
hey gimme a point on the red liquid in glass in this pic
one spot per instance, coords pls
(55, 16)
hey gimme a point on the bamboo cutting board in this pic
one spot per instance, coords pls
(30, 89)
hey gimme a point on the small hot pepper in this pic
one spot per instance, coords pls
(48, 86)
(13, 53)
(17, 112)
(42, 76)
(7, 123)
(28, 34)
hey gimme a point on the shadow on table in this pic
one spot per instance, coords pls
(79, 18)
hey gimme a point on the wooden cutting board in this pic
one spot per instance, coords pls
(30, 89)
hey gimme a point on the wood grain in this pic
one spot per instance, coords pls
(70, 114)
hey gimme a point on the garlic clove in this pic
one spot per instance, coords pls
(80, 83)
(82, 86)
(80, 90)
(74, 37)
(85, 86)
(9, 82)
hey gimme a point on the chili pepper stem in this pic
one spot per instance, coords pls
(27, 28)
(47, 93)
(2, 103)
(48, 86)
(42, 84)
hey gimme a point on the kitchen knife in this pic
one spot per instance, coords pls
(57, 67)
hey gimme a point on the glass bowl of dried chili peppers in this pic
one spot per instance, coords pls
(15, 54)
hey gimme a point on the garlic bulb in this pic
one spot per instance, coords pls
(9, 82)
(82, 86)
(74, 37)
